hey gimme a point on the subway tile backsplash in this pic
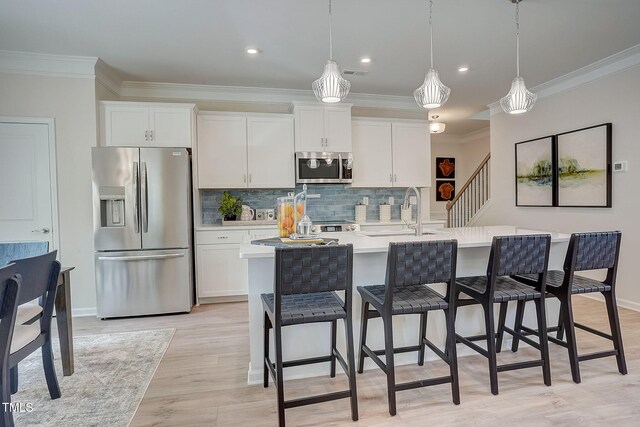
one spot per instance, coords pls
(336, 202)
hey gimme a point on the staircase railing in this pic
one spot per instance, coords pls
(471, 197)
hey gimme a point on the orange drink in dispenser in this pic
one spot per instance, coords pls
(286, 214)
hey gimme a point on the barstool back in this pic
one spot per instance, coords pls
(594, 251)
(519, 254)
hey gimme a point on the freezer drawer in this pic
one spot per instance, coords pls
(136, 283)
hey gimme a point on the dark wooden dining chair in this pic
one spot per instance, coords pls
(9, 293)
(39, 276)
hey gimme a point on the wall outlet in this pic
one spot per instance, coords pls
(365, 200)
(391, 200)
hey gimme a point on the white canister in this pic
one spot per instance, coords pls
(385, 212)
(405, 214)
(361, 214)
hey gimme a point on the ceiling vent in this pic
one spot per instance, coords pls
(357, 73)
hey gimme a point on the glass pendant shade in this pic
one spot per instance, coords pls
(331, 87)
(435, 127)
(432, 93)
(519, 100)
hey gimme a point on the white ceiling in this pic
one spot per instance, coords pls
(204, 41)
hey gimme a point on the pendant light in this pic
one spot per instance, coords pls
(432, 93)
(519, 100)
(331, 87)
(436, 127)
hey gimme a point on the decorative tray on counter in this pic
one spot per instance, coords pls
(252, 222)
(286, 242)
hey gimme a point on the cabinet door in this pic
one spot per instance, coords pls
(372, 154)
(337, 129)
(125, 126)
(222, 151)
(270, 152)
(411, 155)
(309, 128)
(220, 271)
(170, 126)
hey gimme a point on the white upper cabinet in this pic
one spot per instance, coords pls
(270, 152)
(222, 151)
(322, 127)
(372, 154)
(411, 155)
(245, 151)
(137, 124)
(391, 154)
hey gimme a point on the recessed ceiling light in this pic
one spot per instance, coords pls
(463, 69)
(253, 51)
(365, 60)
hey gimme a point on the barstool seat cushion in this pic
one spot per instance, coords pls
(406, 299)
(307, 308)
(580, 285)
(506, 289)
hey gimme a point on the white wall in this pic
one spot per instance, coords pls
(468, 151)
(71, 103)
(614, 99)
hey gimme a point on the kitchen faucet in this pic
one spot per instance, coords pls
(418, 225)
(303, 195)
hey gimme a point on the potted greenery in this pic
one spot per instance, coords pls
(230, 207)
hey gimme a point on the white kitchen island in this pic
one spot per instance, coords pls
(369, 267)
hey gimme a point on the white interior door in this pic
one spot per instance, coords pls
(26, 210)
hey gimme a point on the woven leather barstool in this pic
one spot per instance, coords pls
(410, 267)
(510, 255)
(306, 282)
(587, 251)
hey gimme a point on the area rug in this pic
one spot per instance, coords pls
(112, 372)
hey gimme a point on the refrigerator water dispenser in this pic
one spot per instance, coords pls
(112, 206)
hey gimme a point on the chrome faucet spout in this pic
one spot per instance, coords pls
(418, 224)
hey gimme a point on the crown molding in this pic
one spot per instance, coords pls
(47, 65)
(252, 95)
(108, 77)
(615, 63)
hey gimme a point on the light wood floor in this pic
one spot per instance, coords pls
(201, 381)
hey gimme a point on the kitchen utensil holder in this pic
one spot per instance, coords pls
(361, 214)
(385, 213)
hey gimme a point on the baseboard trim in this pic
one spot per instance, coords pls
(83, 312)
(624, 303)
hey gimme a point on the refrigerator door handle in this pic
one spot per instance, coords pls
(140, 257)
(144, 198)
(136, 199)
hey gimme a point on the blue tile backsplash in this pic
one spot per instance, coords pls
(336, 202)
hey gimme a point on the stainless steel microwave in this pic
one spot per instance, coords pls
(324, 168)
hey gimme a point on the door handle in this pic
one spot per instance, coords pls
(244, 178)
(139, 257)
(395, 177)
(249, 178)
(136, 200)
(144, 198)
(390, 177)
(151, 135)
(43, 230)
(146, 135)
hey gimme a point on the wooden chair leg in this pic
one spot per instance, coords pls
(265, 346)
(491, 346)
(569, 329)
(544, 344)
(13, 374)
(517, 326)
(423, 336)
(7, 416)
(560, 333)
(614, 324)
(351, 360)
(501, 321)
(50, 369)
(364, 320)
(334, 331)
(279, 378)
(452, 355)
(390, 368)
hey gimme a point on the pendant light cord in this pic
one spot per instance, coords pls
(518, 38)
(431, 30)
(330, 34)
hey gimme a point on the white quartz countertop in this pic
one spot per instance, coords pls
(374, 222)
(467, 237)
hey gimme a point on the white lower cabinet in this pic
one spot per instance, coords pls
(219, 270)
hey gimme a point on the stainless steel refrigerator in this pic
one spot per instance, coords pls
(142, 231)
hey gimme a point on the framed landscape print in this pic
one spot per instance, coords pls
(445, 190)
(584, 167)
(445, 167)
(535, 172)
